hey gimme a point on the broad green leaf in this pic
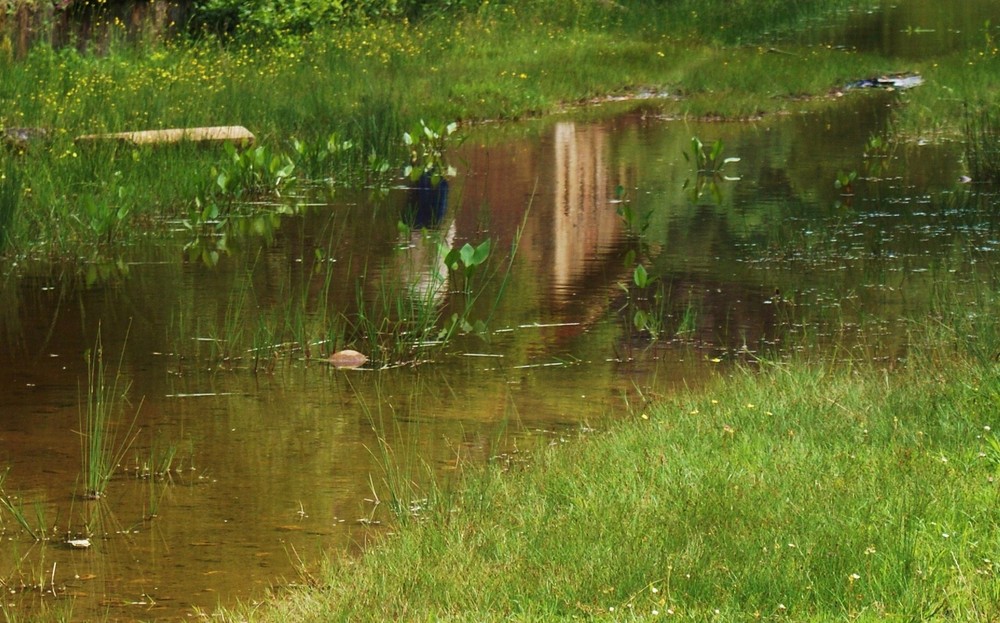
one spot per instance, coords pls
(482, 252)
(640, 276)
(640, 319)
(467, 253)
(716, 150)
(451, 260)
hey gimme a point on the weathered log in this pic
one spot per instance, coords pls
(235, 134)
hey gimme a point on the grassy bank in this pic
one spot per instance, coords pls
(334, 103)
(807, 491)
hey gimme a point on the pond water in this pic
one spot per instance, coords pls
(913, 29)
(276, 457)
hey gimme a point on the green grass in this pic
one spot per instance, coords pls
(813, 491)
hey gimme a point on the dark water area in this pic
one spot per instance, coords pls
(278, 459)
(915, 29)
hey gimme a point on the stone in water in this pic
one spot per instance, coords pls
(347, 359)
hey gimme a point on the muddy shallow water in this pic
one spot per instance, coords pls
(275, 457)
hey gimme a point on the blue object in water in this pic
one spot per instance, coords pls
(428, 202)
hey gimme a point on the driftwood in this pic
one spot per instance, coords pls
(235, 134)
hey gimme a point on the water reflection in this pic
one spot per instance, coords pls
(584, 227)
(915, 29)
(427, 203)
(419, 267)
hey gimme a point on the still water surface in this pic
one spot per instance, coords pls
(278, 459)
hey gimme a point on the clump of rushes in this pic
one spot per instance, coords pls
(105, 436)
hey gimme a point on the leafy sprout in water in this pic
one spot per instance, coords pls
(635, 223)
(844, 181)
(427, 146)
(709, 165)
(466, 260)
(469, 257)
(708, 159)
(253, 172)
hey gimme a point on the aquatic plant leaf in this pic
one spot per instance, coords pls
(640, 276)
(716, 151)
(481, 253)
(640, 320)
(467, 253)
(452, 259)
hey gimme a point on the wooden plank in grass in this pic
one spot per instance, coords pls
(214, 135)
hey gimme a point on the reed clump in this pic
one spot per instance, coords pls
(105, 432)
